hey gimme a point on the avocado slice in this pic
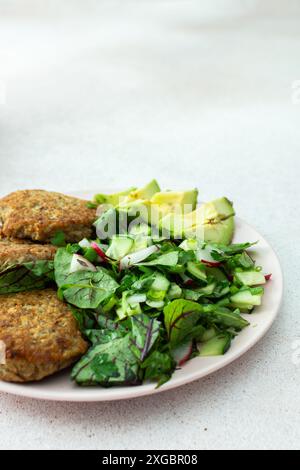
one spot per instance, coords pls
(212, 222)
(175, 201)
(129, 195)
(219, 232)
(219, 209)
(146, 192)
(216, 221)
(137, 209)
(113, 199)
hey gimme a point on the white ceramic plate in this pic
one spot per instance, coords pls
(60, 388)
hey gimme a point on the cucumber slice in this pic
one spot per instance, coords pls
(216, 346)
(159, 288)
(207, 290)
(174, 292)
(208, 334)
(125, 309)
(190, 294)
(120, 246)
(250, 278)
(246, 299)
(216, 273)
(160, 283)
(137, 230)
(136, 299)
(155, 303)
(156, 295)
(197, 270)
(140, 243)
(188, 245)
(224, 291)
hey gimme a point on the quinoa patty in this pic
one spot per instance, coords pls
(38, 215)
(38, 336)
(16, 251)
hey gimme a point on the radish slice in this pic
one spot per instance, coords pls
(182, 353)
(137, 257)
(79, 263)
(189, 282)
(211, 264)
(84, 243)
(204, 255)
(99, 251)
(268, 277)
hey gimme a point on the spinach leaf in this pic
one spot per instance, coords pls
(242, 260)
(88, 289)
(41, 268)
(159, 367)
(103, 336)
(107, 364)
(62, 263)
(145, 331)
(85, 318)
(29, 276)
(223, 252)
(117, 354)
(105, 329)
(106, 323)
(181, 317)
(167, 259)
(223, 316)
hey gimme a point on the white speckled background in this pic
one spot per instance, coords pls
(99, 94)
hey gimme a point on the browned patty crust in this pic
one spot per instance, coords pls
(39, 334)
(38, 215)
(16, 251)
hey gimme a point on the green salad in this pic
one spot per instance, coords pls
(160, 283)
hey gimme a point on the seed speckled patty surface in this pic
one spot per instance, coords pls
(19, 251)
(39, 334)
(38, 215)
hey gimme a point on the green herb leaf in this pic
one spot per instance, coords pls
(62, 264)
(159, 367)
(110, 363)
(103, 336)
(223, 252)
(88, 289)
(86, 319)
(91, 205)
(224, 317)
(168, 259)
(181, 316)
(59, 239)
(41, 268)
(145, 331)
(29, 276)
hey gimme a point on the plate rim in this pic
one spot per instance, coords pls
(80, 394)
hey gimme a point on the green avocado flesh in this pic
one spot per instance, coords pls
(146, 192)
(212, 222)
(175, 201)
(113, 199)
(129, 196)
(175, 212)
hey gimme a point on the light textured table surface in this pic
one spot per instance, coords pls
(115, 93)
